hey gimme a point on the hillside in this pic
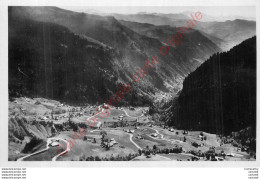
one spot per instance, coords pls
(220, 96)
(123, 50)
(225, 34)
(50, 61)
(194, 45)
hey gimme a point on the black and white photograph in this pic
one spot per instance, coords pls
(129, 89)
(131, 84)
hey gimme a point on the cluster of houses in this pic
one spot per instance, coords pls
(169, 128)
(139, 136)
(109, 143)
(129, 131)
(59, 113)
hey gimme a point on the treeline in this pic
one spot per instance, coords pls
(156, 150)
(111, 158)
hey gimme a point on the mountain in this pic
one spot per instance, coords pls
(192, 40)
(222, 18)
(225, 34)
(48, 60)
(150, 18)
(220, 96)
(231, 32)
(98, 51)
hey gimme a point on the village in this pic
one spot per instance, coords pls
(48, 130)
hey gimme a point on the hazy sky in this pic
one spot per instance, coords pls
(244, 11)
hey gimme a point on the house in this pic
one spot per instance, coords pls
(131, 108)
(54, 144)
(113, 142)
(132, 131)
(105, 106)
(154, 135)
(121, 117)
(184, 132)
(139, 137)
(99, 124)
(219, 158)
(230, 154)
(129, 131)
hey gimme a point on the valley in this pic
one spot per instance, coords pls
(87, 87)
(129, 134)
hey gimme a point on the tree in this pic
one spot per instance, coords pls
(52, 115)
(97, 158)
(154, 149)
(103, 134)
(107, 146)
(167, 151)
(32, 144)
(91, 158)
(147, 153)
(140, 152)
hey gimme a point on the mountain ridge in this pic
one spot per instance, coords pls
(129, 48)
(220, 96)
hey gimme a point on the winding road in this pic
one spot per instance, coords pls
(60, 154)
(137, 146)
(131, 139)
(47, 147)
(49, 140)
(158, 133)
(126, 113)
(129, 115)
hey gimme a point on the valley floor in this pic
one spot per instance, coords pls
(131, 137)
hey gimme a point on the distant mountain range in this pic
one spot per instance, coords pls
(230, 32)
(78, 57)
(225, 34)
